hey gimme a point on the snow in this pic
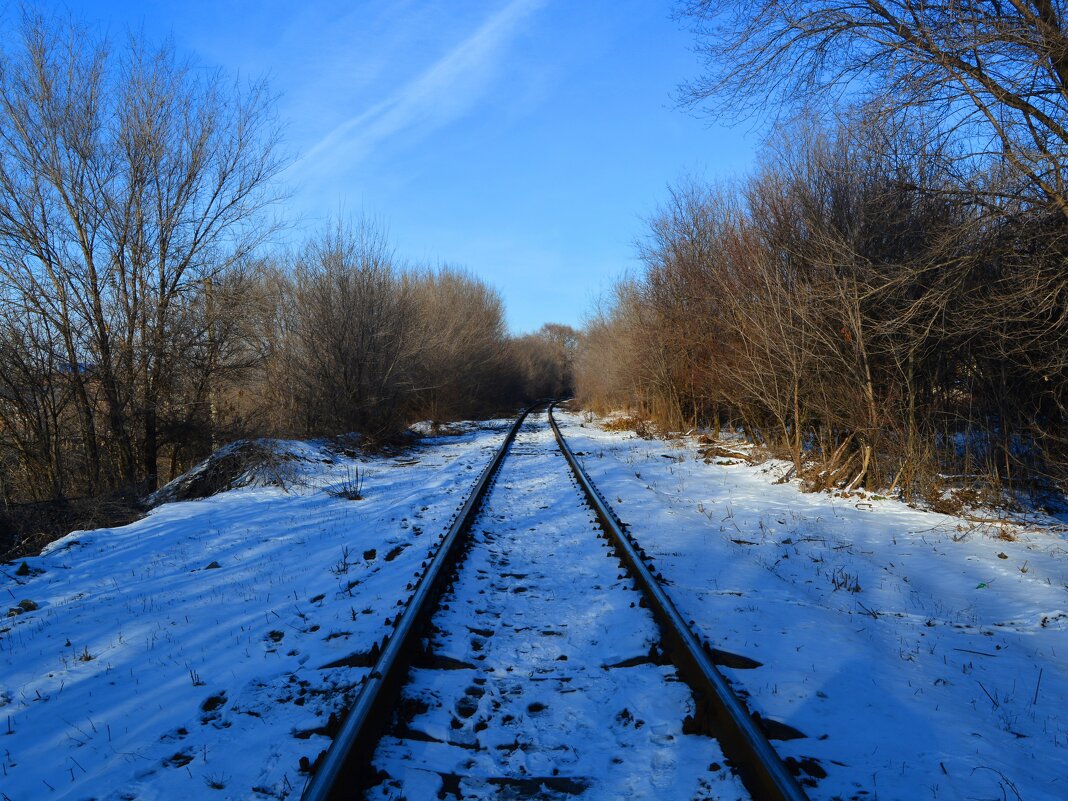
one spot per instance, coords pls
(182, 656)
(942, 676)
(921, 654)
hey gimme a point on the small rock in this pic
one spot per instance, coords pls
(27, 605)
(213, 566)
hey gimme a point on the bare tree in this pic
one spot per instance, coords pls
(605, 357)
(997, 72)
(885, 300)
(461, 338)
(126, 182)
(546, 361)
(348, 340)
(34, 400)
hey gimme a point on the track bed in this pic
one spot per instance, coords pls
(544, 678)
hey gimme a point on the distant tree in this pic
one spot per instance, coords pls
(461, 338)
(546, 361)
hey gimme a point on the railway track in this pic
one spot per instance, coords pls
(539, 657)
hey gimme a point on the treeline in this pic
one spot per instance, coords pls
(853, 312)
(884, 301)
(142, 321)
(350, 339)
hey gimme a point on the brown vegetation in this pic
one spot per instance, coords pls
(129, 183)
(848, 309)
(885, 302)
(143, 322)
(352, 340)
(544, 361)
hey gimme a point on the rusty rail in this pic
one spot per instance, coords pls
(342, 769)
(741, 738)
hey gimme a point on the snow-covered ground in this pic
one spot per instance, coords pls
(183, 656)
(924, 656)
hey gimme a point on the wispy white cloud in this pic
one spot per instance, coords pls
(441, 93)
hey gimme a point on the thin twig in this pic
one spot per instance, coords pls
(1037, 685)
(993, 700)
(970, 651)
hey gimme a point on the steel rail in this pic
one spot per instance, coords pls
(341, 770)
(741, 738)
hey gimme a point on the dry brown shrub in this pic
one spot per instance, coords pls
(714, 451)
(236, 465)
(643, 428)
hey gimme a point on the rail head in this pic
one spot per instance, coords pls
(339, 770)
(763, 771)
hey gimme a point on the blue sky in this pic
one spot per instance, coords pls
(524, 140)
